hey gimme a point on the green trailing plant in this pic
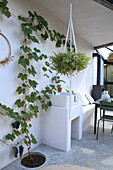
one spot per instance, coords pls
(69, 62)
(28, 90)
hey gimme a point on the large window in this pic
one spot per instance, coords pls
(108, 68)
(108, 78)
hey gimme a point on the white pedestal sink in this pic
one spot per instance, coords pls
(62, 99)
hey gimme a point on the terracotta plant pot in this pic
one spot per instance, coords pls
(59, 89)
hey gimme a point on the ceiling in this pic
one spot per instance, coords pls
(91, 20)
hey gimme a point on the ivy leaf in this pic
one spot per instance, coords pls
(47, 64)
(44, 22)
(46, 75)
(44, 69)
(25, 49)
(6, 12)
(23, 61)
(37, 50)
(11, 114)
(24, 125)
(33, 38)
(20, 90)
(32, 70)
(43, 106)
(45, 36)
(26, 30)
(41, 57)
(49, 103)
(10, 136)
(15, 150)
(5, 2)
(48, 90)
(33, 83)
(31, 15)
(22, 18)
(46, 106)
(52, 86)
(58, 43)
(16, 132)
(35, 114)
(40, 19)
(52, 37)
(34, 28)
(25, 141)
(31, 107)
(26, 115)
(47, 97)
(39, 26)
(39, 98)
(33, 140)
(43, 92)
(50, 71)
(36, 109)
(30, 125)
(4, 8)
(30, 99)
(19, 103)
(33, 56)
(22, 76)
(45, 56)
(22, 112)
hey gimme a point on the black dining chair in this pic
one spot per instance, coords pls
(105, 106)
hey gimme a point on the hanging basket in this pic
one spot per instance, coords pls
(67, 62)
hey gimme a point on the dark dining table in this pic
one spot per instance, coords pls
(97, 104)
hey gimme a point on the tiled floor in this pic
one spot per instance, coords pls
(88, 152)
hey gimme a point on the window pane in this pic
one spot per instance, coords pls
(109, 88)
(105, 52)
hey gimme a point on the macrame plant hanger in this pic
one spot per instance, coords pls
(72, 40)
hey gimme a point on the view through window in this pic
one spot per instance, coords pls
(108, 68)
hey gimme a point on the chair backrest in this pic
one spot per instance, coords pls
(104, 105)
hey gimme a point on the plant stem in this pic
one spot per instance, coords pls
(5, 143)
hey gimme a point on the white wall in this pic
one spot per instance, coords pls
(8, 73)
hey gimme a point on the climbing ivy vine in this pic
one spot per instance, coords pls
(4, 9)
(28, 92)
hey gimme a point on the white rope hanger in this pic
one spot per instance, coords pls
(72, 37)
(71, 29)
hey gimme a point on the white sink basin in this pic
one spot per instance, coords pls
(62, 99)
